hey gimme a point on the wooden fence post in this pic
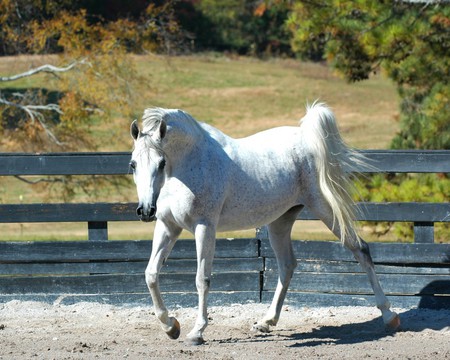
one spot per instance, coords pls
(423, 232)
(97, 230)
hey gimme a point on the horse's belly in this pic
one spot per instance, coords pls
(260, 199)
(244, 214)
(243, 221)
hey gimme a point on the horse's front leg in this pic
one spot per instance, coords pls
(164, 239)
(205, 240)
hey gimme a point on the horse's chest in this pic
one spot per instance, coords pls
(184, 202)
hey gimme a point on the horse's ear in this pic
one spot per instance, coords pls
(162, 129)
(134, 130)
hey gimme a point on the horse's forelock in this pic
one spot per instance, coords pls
(152, 118)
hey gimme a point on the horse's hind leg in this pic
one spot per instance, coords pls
(280, 240)
(361, 252)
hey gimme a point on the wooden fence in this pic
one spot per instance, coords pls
(414, 274)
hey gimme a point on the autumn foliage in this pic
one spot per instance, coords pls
(90, 78)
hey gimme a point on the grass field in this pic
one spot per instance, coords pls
(243, 96)
(240, 96)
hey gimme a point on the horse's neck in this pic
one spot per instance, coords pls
(217, 135)
(188, 141)
(181, 139)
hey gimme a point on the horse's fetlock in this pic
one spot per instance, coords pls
(385, 306)
(294, 264)
(203, 282)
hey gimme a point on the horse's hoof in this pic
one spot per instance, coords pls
(174, 332)
(260, 328)
(394, 323)
(194, 340)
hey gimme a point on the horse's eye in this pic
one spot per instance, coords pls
(133, 165)
(162, 164)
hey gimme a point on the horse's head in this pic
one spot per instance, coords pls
(147, 163)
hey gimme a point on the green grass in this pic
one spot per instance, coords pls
(246, 95)
(240, 96)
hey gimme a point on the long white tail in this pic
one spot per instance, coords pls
(333, 160)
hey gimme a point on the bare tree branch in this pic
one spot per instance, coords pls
(33, 112)
(44, 68)
(34, 182)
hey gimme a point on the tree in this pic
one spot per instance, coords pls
(87, 77)
(91, 75)
(238, 26)
(410, 41)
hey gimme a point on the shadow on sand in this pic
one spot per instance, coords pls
(414, 320)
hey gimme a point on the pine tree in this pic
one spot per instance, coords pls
(410, 41)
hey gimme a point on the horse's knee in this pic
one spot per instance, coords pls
(151, 279)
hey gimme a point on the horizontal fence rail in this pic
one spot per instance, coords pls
(83, 212)
(383, 161)
(245, 270)
(65, 164)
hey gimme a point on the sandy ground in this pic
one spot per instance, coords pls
(32, 330)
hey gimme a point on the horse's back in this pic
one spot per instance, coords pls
(264, 175)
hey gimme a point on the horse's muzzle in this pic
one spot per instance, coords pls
(146, 216)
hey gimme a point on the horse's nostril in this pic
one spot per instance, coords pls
(139, 211)
(152, 211)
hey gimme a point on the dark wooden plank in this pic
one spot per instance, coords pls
(219, 265)
(404, 211)
(73, 284)
(317, 266)
(116, 250)
(395, 211)
(64, 164)
(393, 284)
(410, 253)
(111, 284)
(53, 251)
(63, 212)
(73, 268)
(102, 212)
(117, 163)
(128, 267)
(324, 299)
(414, 161)
(381, 252)
(240, 248)
(183, 299)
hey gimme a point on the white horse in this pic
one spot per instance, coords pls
(191, 176)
